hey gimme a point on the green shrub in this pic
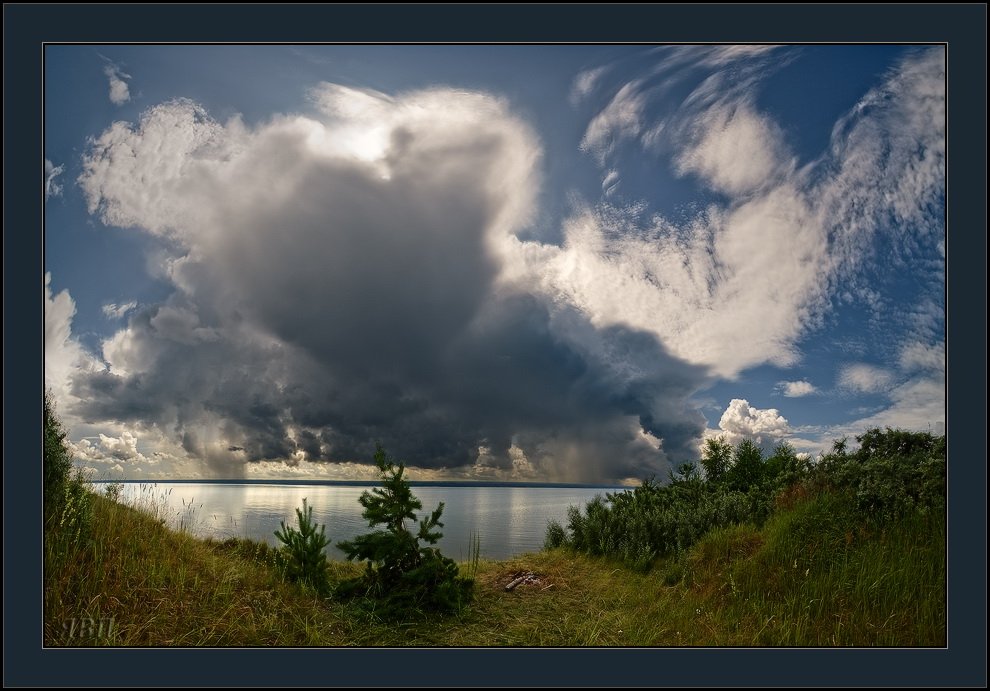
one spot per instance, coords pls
(893, 472)
(56, 460)
(556, 535)
(402, 575)
(68, 504)
(652, 520)
(302, 556)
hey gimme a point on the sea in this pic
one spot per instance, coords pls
(506, 519)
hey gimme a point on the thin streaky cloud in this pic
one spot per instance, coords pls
(52, 171)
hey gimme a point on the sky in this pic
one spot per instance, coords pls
(561, 263)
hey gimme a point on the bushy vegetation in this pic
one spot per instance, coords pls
(56, 459)
(402, 575)
(892, 473)
(67, 500)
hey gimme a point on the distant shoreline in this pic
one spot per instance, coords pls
(371, 483)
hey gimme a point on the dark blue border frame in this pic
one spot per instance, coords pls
(962, 27)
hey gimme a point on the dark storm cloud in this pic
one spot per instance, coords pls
(340, 286)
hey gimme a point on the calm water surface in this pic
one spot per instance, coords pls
(509, 520)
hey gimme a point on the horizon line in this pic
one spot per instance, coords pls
(420, 483)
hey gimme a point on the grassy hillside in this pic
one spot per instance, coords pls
(848, 551)
(811, 575)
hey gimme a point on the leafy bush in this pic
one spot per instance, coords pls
(302, 556)
(401, 574)
(892, 473)
(652, 520)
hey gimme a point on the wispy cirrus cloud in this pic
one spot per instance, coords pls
(622, 119)
(112, 310)
(585, 83)
(742, 281)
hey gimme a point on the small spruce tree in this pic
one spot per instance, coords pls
(401, 573)
(302, 554)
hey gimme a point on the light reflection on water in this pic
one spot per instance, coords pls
(509, 520)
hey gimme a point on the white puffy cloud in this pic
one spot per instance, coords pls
(123, 448)
(109, 449)
(742, 421)
(64, 357)
(729, 291)
(112, 456)
(52, 171)
(120, 93)
(140, 176)
(864, 378)
(736, 150)
(795, 389)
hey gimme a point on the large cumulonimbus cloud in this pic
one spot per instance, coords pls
(347, 278)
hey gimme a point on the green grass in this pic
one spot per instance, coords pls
(811, 575)
(817, 575)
